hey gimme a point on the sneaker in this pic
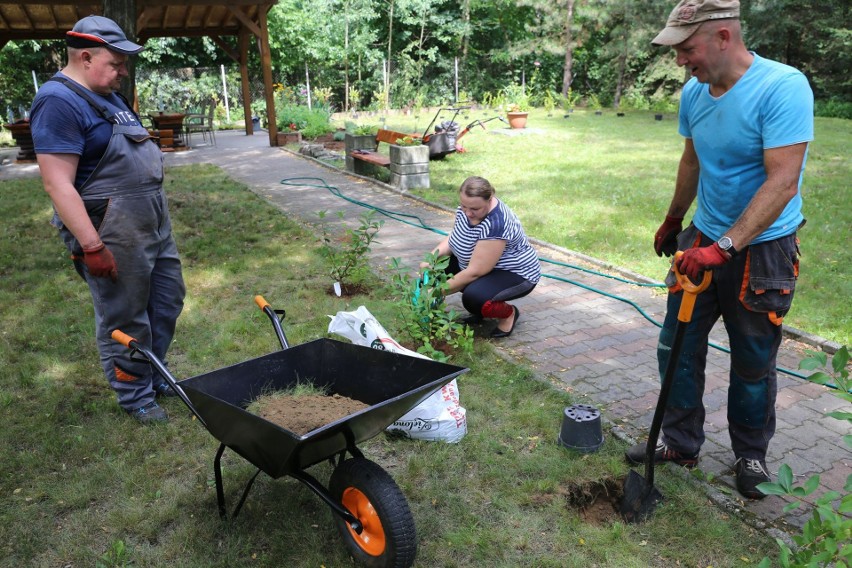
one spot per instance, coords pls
(150, 413)
(164, 389)
(750, 473)
(636, 455)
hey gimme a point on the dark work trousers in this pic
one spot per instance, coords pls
(127, 204)
(496, 286)
(752, 293)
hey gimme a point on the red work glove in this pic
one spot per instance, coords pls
(100, 262)
(665, 241)
(696, 260)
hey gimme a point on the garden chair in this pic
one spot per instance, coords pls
(200, 122)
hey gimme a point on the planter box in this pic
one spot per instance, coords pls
(517, 119)
(285, 138)
(409, 166)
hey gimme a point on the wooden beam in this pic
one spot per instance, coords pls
(246, 21)
(229, 51)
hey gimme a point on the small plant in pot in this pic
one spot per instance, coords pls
(518, 105)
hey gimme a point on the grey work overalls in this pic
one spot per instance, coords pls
(127, 205)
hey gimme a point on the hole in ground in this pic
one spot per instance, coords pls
(596, 501)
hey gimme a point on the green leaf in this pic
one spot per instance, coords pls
(785, 477)
(769, 488)
(820, 378)
(840, 359)
(811, 484)
(841, 415)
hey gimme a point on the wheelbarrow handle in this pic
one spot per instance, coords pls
(132, 343)
(690, 290)
(273, 317)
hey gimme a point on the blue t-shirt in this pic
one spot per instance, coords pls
(519, 257)
(771, 106)
(62, 122)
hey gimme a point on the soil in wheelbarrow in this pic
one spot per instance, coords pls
(303, 413)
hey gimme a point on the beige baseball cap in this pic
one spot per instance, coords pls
(688, 15)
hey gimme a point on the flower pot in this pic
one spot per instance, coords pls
(517, 119)
(20, 131)
(285, 138)
(581, 429)
(658, 117)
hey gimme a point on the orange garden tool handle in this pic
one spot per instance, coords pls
(690, 290)
(261, 302)
(122, 337)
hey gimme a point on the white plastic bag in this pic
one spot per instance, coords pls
(438, 418)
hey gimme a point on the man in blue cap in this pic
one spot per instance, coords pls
(747, 122)
(104, 174)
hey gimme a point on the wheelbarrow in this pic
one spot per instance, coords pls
(371, 513)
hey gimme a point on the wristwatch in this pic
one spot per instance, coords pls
(727, 245)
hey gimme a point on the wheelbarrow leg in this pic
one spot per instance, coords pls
(220, 488)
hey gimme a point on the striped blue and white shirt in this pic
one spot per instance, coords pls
(519, 257)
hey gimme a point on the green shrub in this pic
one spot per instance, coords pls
(423, 309)
(310, 122)
(826, 535)
(833, 108)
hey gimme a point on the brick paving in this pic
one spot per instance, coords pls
(601, 348)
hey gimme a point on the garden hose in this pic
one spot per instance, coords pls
(416, 221)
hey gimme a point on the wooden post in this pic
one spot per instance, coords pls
(266, 64)
(244, 80)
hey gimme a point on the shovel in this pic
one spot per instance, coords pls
(640, 496)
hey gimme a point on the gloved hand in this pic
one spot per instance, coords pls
(100, 262)
(665, 240)
(695, 260)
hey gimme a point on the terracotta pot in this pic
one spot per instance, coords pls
(289, 138)
(517, 119)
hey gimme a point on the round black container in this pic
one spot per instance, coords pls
(581, 429)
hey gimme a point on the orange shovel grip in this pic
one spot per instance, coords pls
(690, 290)
(261, 302)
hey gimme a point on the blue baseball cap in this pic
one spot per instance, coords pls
(97, 31)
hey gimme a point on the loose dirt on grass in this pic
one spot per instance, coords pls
(303, 413)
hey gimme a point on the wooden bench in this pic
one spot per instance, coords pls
(372, 156)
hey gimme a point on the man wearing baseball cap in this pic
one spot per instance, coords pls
(747, 122)
(104, 174)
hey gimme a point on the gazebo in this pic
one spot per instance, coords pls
(145, 19)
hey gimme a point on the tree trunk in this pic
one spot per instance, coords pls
(123, 13)
(390, 43)
(567, 75)
(346, 60)
(622, 69)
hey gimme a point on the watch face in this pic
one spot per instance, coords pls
(725, 243)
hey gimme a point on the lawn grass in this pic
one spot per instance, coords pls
(601, 185)
(84, 485)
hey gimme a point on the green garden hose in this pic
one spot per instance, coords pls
(416, 221)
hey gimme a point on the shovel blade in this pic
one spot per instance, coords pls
(640, 498)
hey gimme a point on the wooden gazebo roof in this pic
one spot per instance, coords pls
(50, 19)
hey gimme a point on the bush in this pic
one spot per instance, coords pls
(310, 122)
(833, 108)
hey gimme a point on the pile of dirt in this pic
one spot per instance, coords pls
(303, 413)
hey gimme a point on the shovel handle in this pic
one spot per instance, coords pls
(690, 290)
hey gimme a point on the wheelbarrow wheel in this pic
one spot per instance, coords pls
(388, 538)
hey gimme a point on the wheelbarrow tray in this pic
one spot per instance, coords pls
(390, 383)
